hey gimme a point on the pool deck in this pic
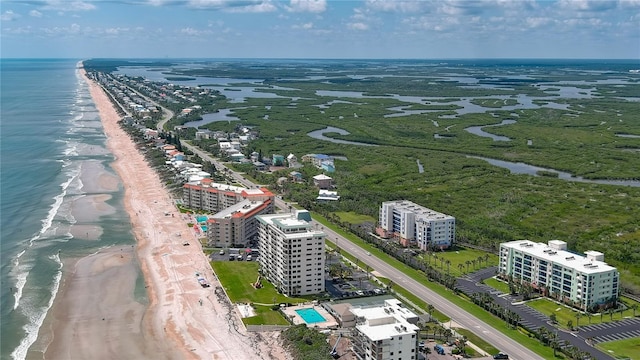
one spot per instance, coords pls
(297, 319)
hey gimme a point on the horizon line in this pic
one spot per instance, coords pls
(311, 58)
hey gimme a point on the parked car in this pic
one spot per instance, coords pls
(500, 356)
(249, 257)
(222, 252)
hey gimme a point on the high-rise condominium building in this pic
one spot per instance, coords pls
(292, 253)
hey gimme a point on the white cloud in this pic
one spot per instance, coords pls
(588, 5)
(397, 6)
(18, 31)
(195, 32)
(235, 6)
(312, 6)
(536, 22)
(118, 30)
(358, 26)
(258, 8)
(35, 13)
(62, 5)
(9, 15)
(305, 26)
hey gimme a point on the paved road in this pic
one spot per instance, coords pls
(529, 317)
(458, 315)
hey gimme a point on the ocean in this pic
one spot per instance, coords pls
(60, 199)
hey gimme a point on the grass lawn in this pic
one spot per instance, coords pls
(265, 316)
(237, 278)
(564, 313)
(477, 341)
(460, 257)
(354, 218)
(497, 284)
(622, 349)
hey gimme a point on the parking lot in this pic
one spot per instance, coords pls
(234, 255)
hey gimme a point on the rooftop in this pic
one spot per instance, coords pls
(554, 252)
(384, 322)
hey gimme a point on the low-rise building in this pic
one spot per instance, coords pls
(385, 332)
(327, 196)
(292, 253)
(586, 282)
(323, 181)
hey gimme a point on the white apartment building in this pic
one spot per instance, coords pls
(213, 197)
(416, 225)
(586, 282)
(237, 224)
(292, 253)
(385, 332)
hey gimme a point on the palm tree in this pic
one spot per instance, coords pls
(474, 261)
(554, 343)
(486, 258)
(447, 333)
(543, 333)
(516, 319)
(570, 324)
(578, 316)
(441, 261)
(480, 258)
(448, 262)
(468, 263)
(430, 309)
(462, 344)
(460, 267)
(634, 307)
(427, 328)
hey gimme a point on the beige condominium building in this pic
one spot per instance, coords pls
(237, 224)
(586, 282)
(292, 253)
(213, 197)
(416, 225)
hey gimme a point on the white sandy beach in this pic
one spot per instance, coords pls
(96, 315)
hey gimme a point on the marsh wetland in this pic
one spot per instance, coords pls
(467, 124)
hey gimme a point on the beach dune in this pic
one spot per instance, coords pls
(96, 314)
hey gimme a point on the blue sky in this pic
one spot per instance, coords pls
(320, 29)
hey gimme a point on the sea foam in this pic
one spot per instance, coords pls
(36, 316)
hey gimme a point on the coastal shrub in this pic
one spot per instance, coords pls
(306, 343)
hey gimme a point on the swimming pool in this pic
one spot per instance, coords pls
(202, 219)
(204, 227)
(310, 316)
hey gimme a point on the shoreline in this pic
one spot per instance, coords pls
(96, 315)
